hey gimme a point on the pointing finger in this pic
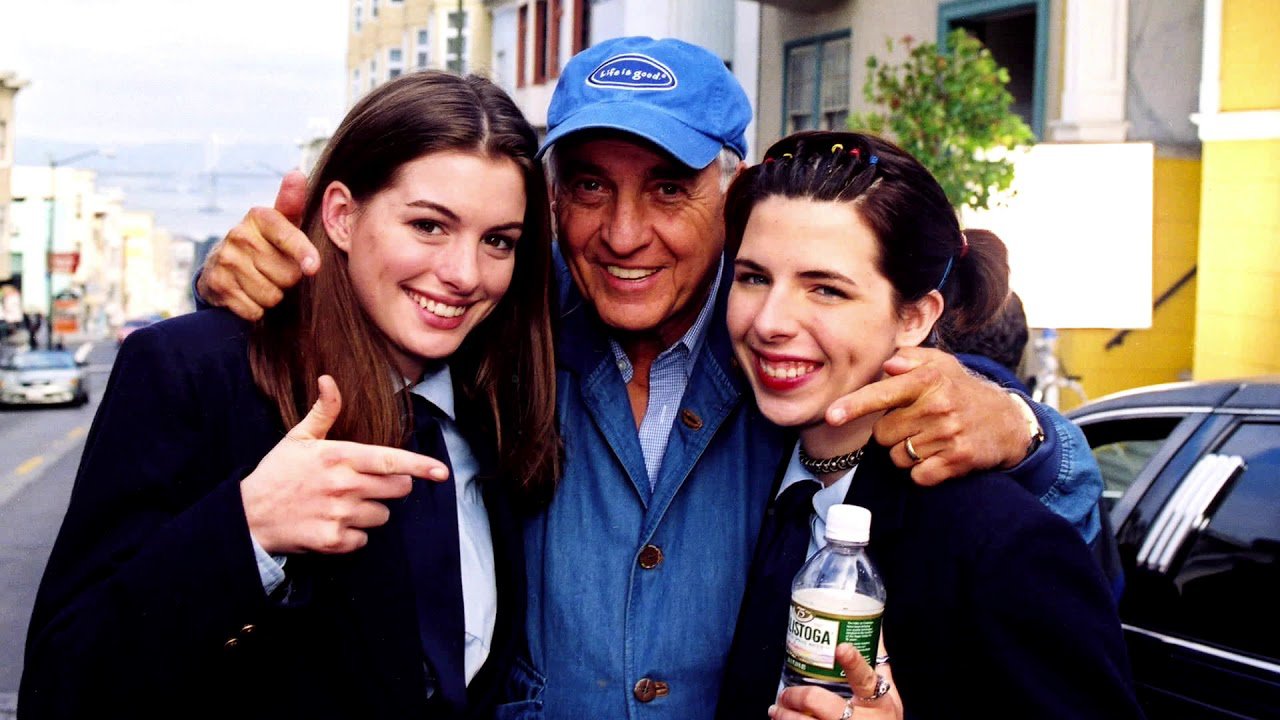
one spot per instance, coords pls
(379, 460)
(879, 396)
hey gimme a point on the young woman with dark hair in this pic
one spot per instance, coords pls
(315, 515)
(847, 250)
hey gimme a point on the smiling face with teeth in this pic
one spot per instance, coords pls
(432, 254)
(811, 314)
(642, 233)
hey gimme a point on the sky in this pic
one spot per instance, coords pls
(130, 71)
(200, 102)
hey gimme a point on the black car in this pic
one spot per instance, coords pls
(1192, 475)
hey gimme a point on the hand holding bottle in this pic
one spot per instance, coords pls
(810, 702)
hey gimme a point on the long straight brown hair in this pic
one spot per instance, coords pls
(505, 368)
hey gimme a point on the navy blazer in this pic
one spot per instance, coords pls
(152, 605)
(994, 605)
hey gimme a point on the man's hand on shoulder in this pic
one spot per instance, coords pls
(951, 420)
(248, 270)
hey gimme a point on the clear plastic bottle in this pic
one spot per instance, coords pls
(837, 597)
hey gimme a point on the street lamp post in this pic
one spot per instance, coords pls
(53, 208)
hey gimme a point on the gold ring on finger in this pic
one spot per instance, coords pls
(911, 451)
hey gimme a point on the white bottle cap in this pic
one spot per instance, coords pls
(848, 523)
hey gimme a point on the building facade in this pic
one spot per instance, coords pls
(1238, 123)
(114, 263)
(533, 39)
(1194, 80)
(387, 38)
(9, 87)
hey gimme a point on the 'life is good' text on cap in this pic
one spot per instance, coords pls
(678, 96)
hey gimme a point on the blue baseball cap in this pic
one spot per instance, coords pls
(679, 96)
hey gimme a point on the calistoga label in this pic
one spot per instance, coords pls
(820, 620)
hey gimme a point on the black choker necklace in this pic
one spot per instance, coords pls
(822, 466)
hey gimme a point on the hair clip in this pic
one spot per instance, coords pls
(874, 159)
(837, 148)
(787, 155)
(768, 160)
(856, 153)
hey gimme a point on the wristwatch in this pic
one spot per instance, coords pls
(1033, 424)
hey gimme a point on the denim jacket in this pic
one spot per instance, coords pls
(634, 594)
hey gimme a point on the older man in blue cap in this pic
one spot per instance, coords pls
(638, 566)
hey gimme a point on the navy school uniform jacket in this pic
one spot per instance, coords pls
(152, 605)
(994, 606)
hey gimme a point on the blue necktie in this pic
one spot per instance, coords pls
(431, 539)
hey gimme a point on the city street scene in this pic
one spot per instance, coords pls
(446, 358)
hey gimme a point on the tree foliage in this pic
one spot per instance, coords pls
(950, 110)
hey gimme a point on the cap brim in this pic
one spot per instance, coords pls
(685, 144)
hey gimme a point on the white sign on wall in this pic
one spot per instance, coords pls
(1079, 234)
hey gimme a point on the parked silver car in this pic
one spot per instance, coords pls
(43, 377)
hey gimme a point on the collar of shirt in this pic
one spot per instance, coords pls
(437, 387)
(833, 494)
(687, 346)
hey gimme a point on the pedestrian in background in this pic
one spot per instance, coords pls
(993, 348)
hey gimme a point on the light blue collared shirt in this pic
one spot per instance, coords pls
(668, 377)
(475, 543)
(833, 494)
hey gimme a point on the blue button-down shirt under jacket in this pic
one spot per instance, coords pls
(599, 622)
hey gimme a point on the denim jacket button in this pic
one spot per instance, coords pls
(690, 419)
(650, 557)
(646, 690)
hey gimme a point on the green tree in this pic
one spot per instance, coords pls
(950, 110)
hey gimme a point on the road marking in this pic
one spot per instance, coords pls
(35, 468)
(29, 465)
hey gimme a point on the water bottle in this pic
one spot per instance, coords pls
(837, 597)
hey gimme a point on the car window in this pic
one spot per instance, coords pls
(1123, 448)
(1223, 590)
(43, 361)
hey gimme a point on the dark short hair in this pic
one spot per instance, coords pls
(1003, 338)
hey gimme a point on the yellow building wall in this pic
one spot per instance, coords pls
(1250, 55)
(1164, 352)
(1238, 314)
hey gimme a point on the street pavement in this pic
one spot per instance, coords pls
(40, 450)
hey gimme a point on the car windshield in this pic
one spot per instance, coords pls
(41, 361)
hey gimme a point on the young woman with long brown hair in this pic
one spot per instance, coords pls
(315, 515)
